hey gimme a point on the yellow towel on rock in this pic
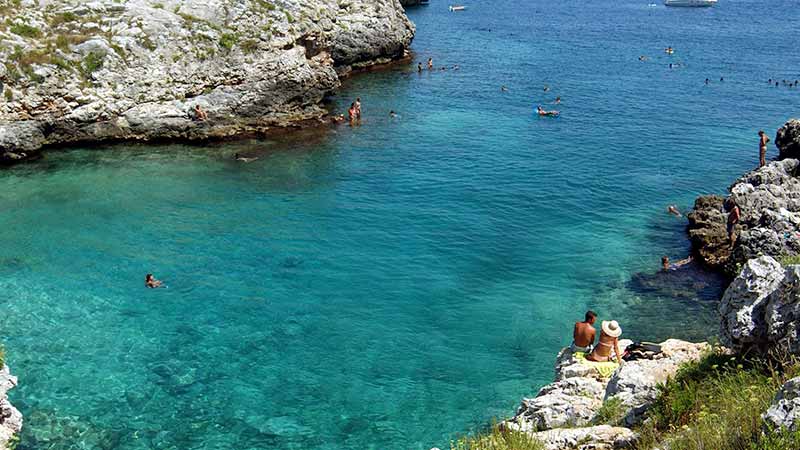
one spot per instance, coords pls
(605, 369)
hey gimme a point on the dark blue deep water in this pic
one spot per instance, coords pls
(392, 285)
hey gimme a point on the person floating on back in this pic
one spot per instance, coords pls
(666, 265)
(583, 334)
(762, 148)
(542, 112)
(609, 339)
(151, 282)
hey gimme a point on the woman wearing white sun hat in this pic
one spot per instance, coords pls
(609, 338)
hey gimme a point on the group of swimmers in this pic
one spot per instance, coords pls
(430, 66)
(785, 83)
(584, 334)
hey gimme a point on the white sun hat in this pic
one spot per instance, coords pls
(611, 328)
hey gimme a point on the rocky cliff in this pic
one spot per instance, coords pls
(769, 201)
(135, 69)
(10, 418)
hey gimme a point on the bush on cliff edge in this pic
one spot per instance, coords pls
(716, 403)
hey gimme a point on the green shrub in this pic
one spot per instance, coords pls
(92, 63)
(228, 40)
(25, 30)
(497, 439)
(61, 18)
(790, 260)
(778, 440)
(9, 96)
(715, 403)
(289, 17)
(611, 412)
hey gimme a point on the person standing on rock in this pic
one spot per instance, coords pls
(733, 218)
(584, 333)
(762, 148)
(609, 339)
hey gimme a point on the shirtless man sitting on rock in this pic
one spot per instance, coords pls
(583, 336)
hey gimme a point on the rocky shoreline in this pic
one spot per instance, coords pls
(135, 70)
(10, 417)
(759, 315)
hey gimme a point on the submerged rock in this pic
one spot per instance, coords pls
(788, 139)
(769, 202)
(10, 417)
(135, 70)
(784, 412)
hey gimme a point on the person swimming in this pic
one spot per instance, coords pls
(667, 266)
(430, 63)
(419, 67)
(558, 101)
(542, 112)
(392, 114)
(503, 88)
(151, 283)
(672, 209)
(242, 158)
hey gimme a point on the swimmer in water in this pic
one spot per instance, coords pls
(666, 266)
(504, 88)
(392, 114)
(542, 112)
(242, 158)
(419, 67)
(430, 63)
(672, 209)
(546, 88)
(558, 101)
(151, 283)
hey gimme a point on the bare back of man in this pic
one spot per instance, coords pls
(584, 334)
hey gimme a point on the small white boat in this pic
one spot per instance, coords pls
(457, 7)
(690, 3)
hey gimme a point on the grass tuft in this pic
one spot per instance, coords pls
(497, 439)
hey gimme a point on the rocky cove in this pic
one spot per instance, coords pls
(758, 312)
(78, 71)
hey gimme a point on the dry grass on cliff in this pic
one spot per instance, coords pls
(717, 403)
(497, 439)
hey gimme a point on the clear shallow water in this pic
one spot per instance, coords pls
(392, 285)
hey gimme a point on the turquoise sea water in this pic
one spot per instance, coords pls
(392, 285)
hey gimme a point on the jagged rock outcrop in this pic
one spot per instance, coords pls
(787, 140)
(635, 384)
(784, 412)
(564, 411)
(135, 69)
(761, 308)
(10, 417)
(769, 202)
